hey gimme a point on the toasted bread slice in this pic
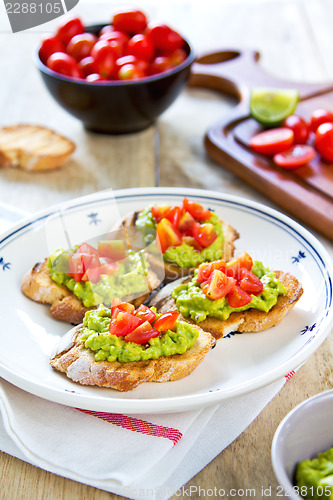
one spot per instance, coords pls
(173, 271)
(38, 285)
(32, 147)
(251, 320)
(78, 363)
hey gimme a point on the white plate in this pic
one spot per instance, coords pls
(237, 365)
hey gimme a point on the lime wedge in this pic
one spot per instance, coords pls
(271, 106)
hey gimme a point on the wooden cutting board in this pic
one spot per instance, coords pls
(307, 192)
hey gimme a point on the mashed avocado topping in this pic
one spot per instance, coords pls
(183, 255)
(130, 278)
(314, 478)
(191, 300)
(107, 347)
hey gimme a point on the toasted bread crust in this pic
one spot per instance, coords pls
(78, 363)
(38, 285)
(251, 320)
(173, 271)
(32, 147)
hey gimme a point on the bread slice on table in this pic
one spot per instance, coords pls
(251, 320)
(173, 271)
(32, 148)
(78, 363)
(38, 285)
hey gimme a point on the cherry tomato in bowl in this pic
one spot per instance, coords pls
(272, 141)
(295, 157)
(324, 141)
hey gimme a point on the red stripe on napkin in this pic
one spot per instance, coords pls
(137, 425)
(290, 374)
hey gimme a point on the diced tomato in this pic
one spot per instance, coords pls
(145, 314)
(115, 302)
(196, 210)
(168, 235)
(112, 249)
(250, 282)
(206, 268)
(109, 267)
(159, 212)
(123, 323)
(88, 249)
(204, 234)
(234, 266)
(166, 321)
(218, 285)
(76, 268)
(189, 240)
(142, 334)
(186, 224)
(238, 297)
(174, 214)
(93, 275)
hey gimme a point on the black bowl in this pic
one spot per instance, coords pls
(116, 107)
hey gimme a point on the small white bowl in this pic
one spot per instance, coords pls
(306, 431)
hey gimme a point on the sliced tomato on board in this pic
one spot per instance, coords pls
(145, 314)
(272, 141)
(166, 321)
(123, 323)
(206, 268)
(238, 297)
(324, 141)
(167, 235)
(295, 157)
(204, 234)
(142, 333)
(250, 282)
(218, 285)
(196, 210)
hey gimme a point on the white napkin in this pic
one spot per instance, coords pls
(136, 456)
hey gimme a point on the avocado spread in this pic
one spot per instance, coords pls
(314, 478)
(130, 278)
(107, 347)
(191, 300)
(183, 255)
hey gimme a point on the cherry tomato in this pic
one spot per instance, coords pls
(87, 66)
(235, 266)
(218, 285)
(167, 235)
(69, 29)
(142, 334)
(115, 35)
(196, 210)
(299, 126)
(64, 64)
(177, 57)
(141, 47)
(297, 156)
(206, 268)
(50, 45)
(320, 116)
(166, 321)
(204, 234)
(130, 72)
(250, 282)
(112, 249)
(123, 323)
(80, 46)
(164, 39)
(129, 20)
(324, 141)
(238, 297)
(121, 61)
(104, 58)
(159, 65)
(272, 141)
(145, 313)
(109, 267)
(186, 224)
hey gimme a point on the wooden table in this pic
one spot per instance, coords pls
(295, 38)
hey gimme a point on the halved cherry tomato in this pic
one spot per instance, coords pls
(70, 28)
(272, 141)
(142, 334)
(204, 234)
(167, 235)
(206, 268)
(159, 212)
(299, 126)
(196, 210)
(84, 259)
(123, 323)
(64, 64)
(297, 156)
(121, 306)
(320, 116)
(166, 321)
(92, 274)
(218, 285)
(141, 47)
(192, 242)
(234, 266)
(174, 214)
(80, 46)
(112, 249)
(238, 297)
(129, 20)
(324, 141)
(145, 314)
(186, 224)
(250, 282)
(50, 45)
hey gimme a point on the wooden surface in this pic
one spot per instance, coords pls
(295, 38)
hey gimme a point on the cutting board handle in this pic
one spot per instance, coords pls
(235, 72)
